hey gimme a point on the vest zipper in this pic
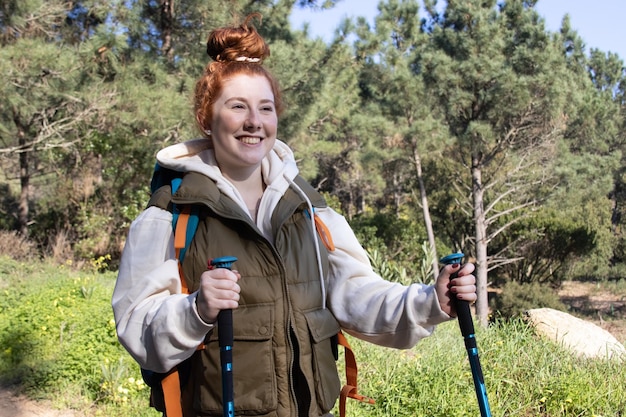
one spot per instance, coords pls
(290, 335)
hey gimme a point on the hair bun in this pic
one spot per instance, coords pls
(238, 44)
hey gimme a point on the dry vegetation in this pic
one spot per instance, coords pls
(601, 303)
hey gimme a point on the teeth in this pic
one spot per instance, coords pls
(250, 140)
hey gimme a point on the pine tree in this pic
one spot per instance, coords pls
(390, 80)
(48, 102)
(502, 85)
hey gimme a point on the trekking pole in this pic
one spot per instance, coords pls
(467, 330)
(225, 337)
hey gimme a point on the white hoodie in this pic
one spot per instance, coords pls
(160, 326)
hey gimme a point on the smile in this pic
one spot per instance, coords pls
(249, 140)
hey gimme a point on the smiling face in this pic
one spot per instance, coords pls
(244, 124)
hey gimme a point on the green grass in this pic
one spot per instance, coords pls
(524, 375)
(57, 341)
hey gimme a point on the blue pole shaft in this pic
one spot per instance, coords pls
(466, 325)
(226, 340)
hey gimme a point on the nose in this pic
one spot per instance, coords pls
(253, 121)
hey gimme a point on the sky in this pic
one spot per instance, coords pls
(600, 23)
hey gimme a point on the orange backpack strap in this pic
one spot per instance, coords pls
(324, 233)
(180, 236)
(172, 394)
(171, 383)
(350, 389)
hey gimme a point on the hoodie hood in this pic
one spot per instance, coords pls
(278, 169)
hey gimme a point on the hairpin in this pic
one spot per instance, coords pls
(247, 59)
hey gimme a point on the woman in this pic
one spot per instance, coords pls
(290, 293)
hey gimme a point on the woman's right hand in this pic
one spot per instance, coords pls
(218, 291)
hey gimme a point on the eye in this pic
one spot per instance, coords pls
(267, 109)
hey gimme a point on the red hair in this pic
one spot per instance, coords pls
(234, 50)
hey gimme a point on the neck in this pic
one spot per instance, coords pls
(250, 185)
(245, 181)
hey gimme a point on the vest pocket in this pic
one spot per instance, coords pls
(254, 380)
(323, 327)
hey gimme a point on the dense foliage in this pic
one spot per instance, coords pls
(469, 127)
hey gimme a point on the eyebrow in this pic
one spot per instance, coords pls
(264, 101)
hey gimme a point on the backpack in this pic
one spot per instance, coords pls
(166, 388)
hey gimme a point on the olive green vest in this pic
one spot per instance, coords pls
(284, 347)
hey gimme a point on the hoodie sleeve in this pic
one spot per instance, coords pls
(369, 307)
(156, 323)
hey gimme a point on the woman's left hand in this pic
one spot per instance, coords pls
(462, 287)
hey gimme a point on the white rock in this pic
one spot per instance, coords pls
(579, 336)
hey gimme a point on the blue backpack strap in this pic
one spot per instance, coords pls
(192, 226)
(175, 183)
(192, 223)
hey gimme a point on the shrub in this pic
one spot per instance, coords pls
(395, 237)
(515, 298)
(391, 270)
(17, 247)
(58, 335)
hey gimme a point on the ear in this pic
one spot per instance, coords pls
(206, 130)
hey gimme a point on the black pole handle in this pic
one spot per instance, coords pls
(463, 311)
(226, 340)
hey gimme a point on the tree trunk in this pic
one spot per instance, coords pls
(397, 192)
(425, 210)
(482, 302)
(22, 211)
(167, 27)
